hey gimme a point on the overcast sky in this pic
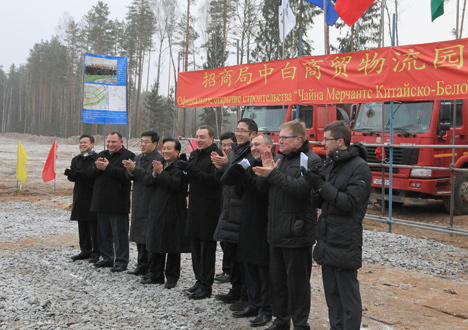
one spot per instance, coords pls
(26, 22)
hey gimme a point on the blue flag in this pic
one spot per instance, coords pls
(332, 15)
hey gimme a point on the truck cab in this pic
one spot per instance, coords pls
(416, 124)
(269, 118)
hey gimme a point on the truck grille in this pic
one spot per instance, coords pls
(401, 156)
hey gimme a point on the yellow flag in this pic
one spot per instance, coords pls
(21, 163)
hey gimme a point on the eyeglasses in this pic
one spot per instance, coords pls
(145, 142)
(282, 138)
(330, 139)
(242, 131)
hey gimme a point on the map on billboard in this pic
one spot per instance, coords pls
(105, 89)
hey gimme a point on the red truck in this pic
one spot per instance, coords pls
(417, 123)
(270, 117)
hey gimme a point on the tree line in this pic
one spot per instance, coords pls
(44, 95)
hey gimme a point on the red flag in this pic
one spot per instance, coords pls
(49, 169)
(351, 10)
(193, 146)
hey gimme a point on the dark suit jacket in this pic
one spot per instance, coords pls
(111, 193)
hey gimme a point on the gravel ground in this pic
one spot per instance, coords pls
(40, 288)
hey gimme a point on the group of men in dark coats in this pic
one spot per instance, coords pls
(266, 213)
(102, 197)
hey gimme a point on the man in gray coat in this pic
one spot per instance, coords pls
(140, 172)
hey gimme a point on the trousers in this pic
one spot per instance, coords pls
(343, 298)
(290, 270)
(113, 237)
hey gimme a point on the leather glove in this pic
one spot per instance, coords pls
(237, 171)
(184, 165)
(314, 178)
(70, 173)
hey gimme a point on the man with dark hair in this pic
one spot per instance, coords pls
(82, 194)
(227, 140)
(168, 214)
(203, 211)
(292, 214)
(140, 172)
(345, 191)
(227, 230)
(111, 201)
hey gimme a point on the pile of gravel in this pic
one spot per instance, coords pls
(412, 253)
(40, 287)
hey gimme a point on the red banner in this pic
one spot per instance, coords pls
(416, 72)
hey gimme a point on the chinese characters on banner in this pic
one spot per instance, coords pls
(405, 73)
(105, 89)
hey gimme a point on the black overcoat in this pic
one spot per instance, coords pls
(292, 211)
(168, 213)
(253, 247)
(141, 194)
(204, 195)
(345, 195)
(229, 219)
(83, 189)
(111, 193)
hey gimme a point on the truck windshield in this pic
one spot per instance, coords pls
(412, 117)
(268, 118)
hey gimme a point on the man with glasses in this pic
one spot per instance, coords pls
(292, 214)
(227, 230)
(345, 191)
(140, 172)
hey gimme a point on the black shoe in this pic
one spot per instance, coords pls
(118, 269)
(81, 256)
(200, 294)
(103, 263)
(93, 258)
(192, 289)
(139, 270)
(239, 306)
(246, 312)
(228, 298)
(151, 279)
(223, 278)
(278, 327)
(260, 320)
(170, 285)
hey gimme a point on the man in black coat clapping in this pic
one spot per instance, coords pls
(82, 194)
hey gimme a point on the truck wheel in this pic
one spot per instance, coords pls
(461, 195)
(341, 114)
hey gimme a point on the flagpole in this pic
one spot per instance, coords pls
(326, 36)
(55, 158)
(284, 28)
(17, 160)
(382, 24)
